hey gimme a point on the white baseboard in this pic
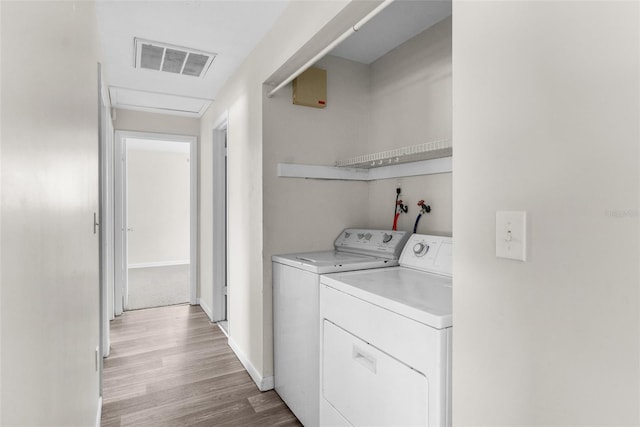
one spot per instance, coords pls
(99, 414)
(224, 331)
(263, 384)
(267, 384)
(159, 264)
(206, 308)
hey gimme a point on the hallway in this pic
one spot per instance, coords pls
(170, 366)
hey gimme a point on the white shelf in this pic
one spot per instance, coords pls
(414, 153)
(423, 159)
(398, 170)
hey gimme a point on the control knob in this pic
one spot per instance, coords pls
(387, 238)
(360, 236)
(347, 235)
(368, 236)
(420, 249)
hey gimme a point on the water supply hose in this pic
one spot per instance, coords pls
(415, 226)
(423, 210)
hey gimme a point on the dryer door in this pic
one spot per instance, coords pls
(369, 387)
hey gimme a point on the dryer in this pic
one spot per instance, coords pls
(386, 341)
(296, 288)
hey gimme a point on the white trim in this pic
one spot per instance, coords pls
(99, 412)
(424, 167)
(219, 273)
(267, 384)
(113, 94)
(159, 264)
(120, 246)
(162, 93)
(221, 122)
(205, 308)
(291, 170)
(193, 229)
(263, 384)
(224, 331)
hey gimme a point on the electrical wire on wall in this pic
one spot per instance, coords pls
(424, 209)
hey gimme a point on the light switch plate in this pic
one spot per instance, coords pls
(511, 235)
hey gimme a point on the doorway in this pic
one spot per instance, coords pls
(156, 220)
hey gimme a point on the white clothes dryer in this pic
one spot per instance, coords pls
(386, 341)
(296, 284)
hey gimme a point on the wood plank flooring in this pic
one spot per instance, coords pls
(170, 366)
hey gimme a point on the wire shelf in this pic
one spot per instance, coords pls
(414, 153)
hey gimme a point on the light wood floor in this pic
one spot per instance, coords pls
(170, 366)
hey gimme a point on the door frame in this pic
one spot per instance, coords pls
(219, 194)
(121, 285)
(105, 215)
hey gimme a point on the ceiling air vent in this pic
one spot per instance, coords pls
(172, 59)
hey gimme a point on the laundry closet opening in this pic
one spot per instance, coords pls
(157, 221)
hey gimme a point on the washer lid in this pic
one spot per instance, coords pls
(332, 261)
(421, 296)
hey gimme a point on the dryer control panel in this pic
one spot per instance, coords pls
(382, 243)
(428, 253)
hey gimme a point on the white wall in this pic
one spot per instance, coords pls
(241, 100)
(141, 121)
(411, 103)
(306, 215)
(317, 209)
(50, 298)
(158, 206)
(546, 98)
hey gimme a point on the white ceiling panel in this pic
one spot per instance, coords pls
(129, 99)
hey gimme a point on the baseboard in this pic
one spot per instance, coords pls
(99, 414)
(206, 308)
(267, 384)
(159, 264)
(224, 331)
(263, 384)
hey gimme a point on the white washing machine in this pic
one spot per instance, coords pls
(386, 341)
(296, 284)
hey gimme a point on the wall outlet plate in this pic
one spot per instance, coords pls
(511, 235)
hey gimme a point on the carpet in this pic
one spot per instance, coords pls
(158, 286)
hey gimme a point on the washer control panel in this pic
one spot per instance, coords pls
(382, 243)
(428, 253)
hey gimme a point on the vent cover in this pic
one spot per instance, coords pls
(172, 59)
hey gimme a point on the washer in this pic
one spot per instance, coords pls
(386, 341)
(296, 283)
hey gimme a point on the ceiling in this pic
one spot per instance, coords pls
(397, 23)
(229, 29)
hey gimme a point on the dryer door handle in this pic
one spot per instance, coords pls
(364, 359)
